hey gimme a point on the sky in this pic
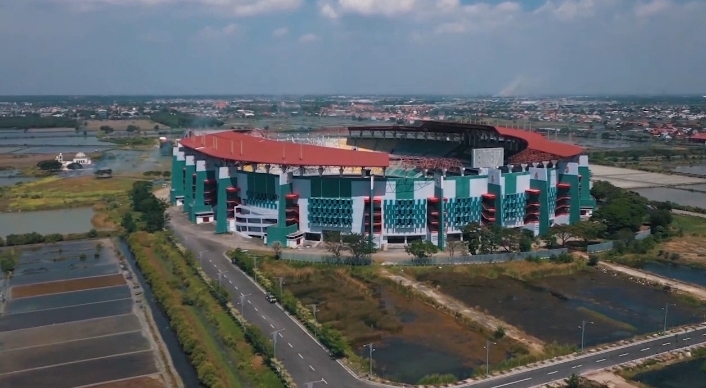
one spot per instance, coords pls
(353, 47)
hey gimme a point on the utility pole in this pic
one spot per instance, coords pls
(583, 331)
(370, 346)
(313, 309)
(242, 303)
(201, 258)
(666, 311)
(274, 341)
(281, 281)
(487, 356)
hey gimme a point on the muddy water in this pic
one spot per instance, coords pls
(76, 220)
(687, 374)
(553, 308)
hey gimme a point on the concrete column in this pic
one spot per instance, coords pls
(177, 186)
(224, 181)
(190, 170)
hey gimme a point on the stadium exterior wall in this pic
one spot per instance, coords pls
(288, 208)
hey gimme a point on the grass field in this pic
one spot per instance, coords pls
(121, 125)
(55, 192)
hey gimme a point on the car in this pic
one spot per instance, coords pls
(270, 297)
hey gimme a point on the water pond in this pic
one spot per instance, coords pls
(63, 221)
(681, 273)
(687, 374)
(681, 197)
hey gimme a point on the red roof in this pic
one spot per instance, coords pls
(537, 142)
(698, 136)
(245, 148)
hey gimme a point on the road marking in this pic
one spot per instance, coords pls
(551, 373)
(263, 317)
(623, 355)
(225, 275)
(312, 368)
(577, 366)
(249, 302)
(300, 355)
(236, 287)
(687, 338)
(280, 335)
(231, 282)
(644, 349)
(271, 325)
(514, 382)
(324, 381)
(290, 345)
(256, 309)
(703, 335)
(209, 260)
(666, 343)
(601, 360)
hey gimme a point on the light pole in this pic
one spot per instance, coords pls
(372, 349)
(274, 341)
(314, 310)
(487, 356)
(311, 383)
(666, 311)
(583, 332)
(281, 281)
(201, 258)
(220, 273)
(242, 303)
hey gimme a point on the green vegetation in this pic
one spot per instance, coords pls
(133, 141)
(12, 240)
(36, 121)
(209, 333)
(150, 208)
(358, 245)
(437, 379)
(689, 225)
(49, 165)
(8, 260)
(176, 119)
(608, 320)
(482, 239)
(421, 250)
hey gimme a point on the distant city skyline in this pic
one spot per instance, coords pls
(353, 47)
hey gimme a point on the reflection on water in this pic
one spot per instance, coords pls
(682, 273)
(63, 221)
(688, 374)
(399, 360)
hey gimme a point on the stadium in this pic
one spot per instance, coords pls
(395, 184)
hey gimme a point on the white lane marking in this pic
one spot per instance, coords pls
(577, 366)
(687, 338)
(666, 343)
(290, 345)
(300, 355)
(231, 282)
(249, 302)
(256, 309)
(209, 260)
(225, 275)
(514, 382)
(312, 368)
(263, 317)
(623, 355)
(236, 287)
(271, 325)
(644, 349)
(703, 335)
(601, 360)
(280, 335)
(324, 381)
(551, 373)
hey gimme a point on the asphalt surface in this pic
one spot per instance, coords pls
(307, 361)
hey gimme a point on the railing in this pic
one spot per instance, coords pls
(608, 245)
(486, 258)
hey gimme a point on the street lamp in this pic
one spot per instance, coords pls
(274, 341)
(487, 356)
(311, 383)
(666, 311)
(583, 332)
(370, 346)
(201, 258)
(281, 281)
(220, 273)
(242, 303)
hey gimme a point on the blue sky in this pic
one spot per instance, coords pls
(521, 47)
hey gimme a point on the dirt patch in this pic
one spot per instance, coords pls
(139, 382)
(690, 249)
(66, 286)
(609, 380)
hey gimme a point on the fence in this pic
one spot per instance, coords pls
(608, 245)
(441, 260)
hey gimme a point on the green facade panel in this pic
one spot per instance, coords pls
(575, 211)
(189, 179)
(513, 207)
(177, 189)
(329, 187)
(585, 199)
(405, 213)
(439, 193)
(330, 212)
(404, 188)
(463, 211)
(542, 186)
(279, 234)
(510, 183)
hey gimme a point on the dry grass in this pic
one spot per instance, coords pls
(121, 125)
(55, 192)
(138, 382)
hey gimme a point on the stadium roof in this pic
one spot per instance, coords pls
(537, 142)
(250, 149)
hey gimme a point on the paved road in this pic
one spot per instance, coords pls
(307, 361)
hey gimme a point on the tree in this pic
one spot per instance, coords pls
(453, 247)
(277, 249)
(510, 239)
(588, 230)
(333, 244)
(573, 381)
(421, 250)
(132, 128)
(624, 211)
(499, 333)
(358, 245)
(128, 223)
(472, 234)
(107, 129)
(491, 238)
(660, 218)
(49, 165)
(562, 233)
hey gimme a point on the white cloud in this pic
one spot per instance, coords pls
(280, 32)
(212, 33)
(654, 7)
(227, 7)
(327, 10)
(309, 38)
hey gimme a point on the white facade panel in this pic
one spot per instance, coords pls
(478, 187)
(449, 188)
(538, 174)
(495, 177)
(523, 183)
(243, 184)
(303, 214)
(561, 220)
(423, 189)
